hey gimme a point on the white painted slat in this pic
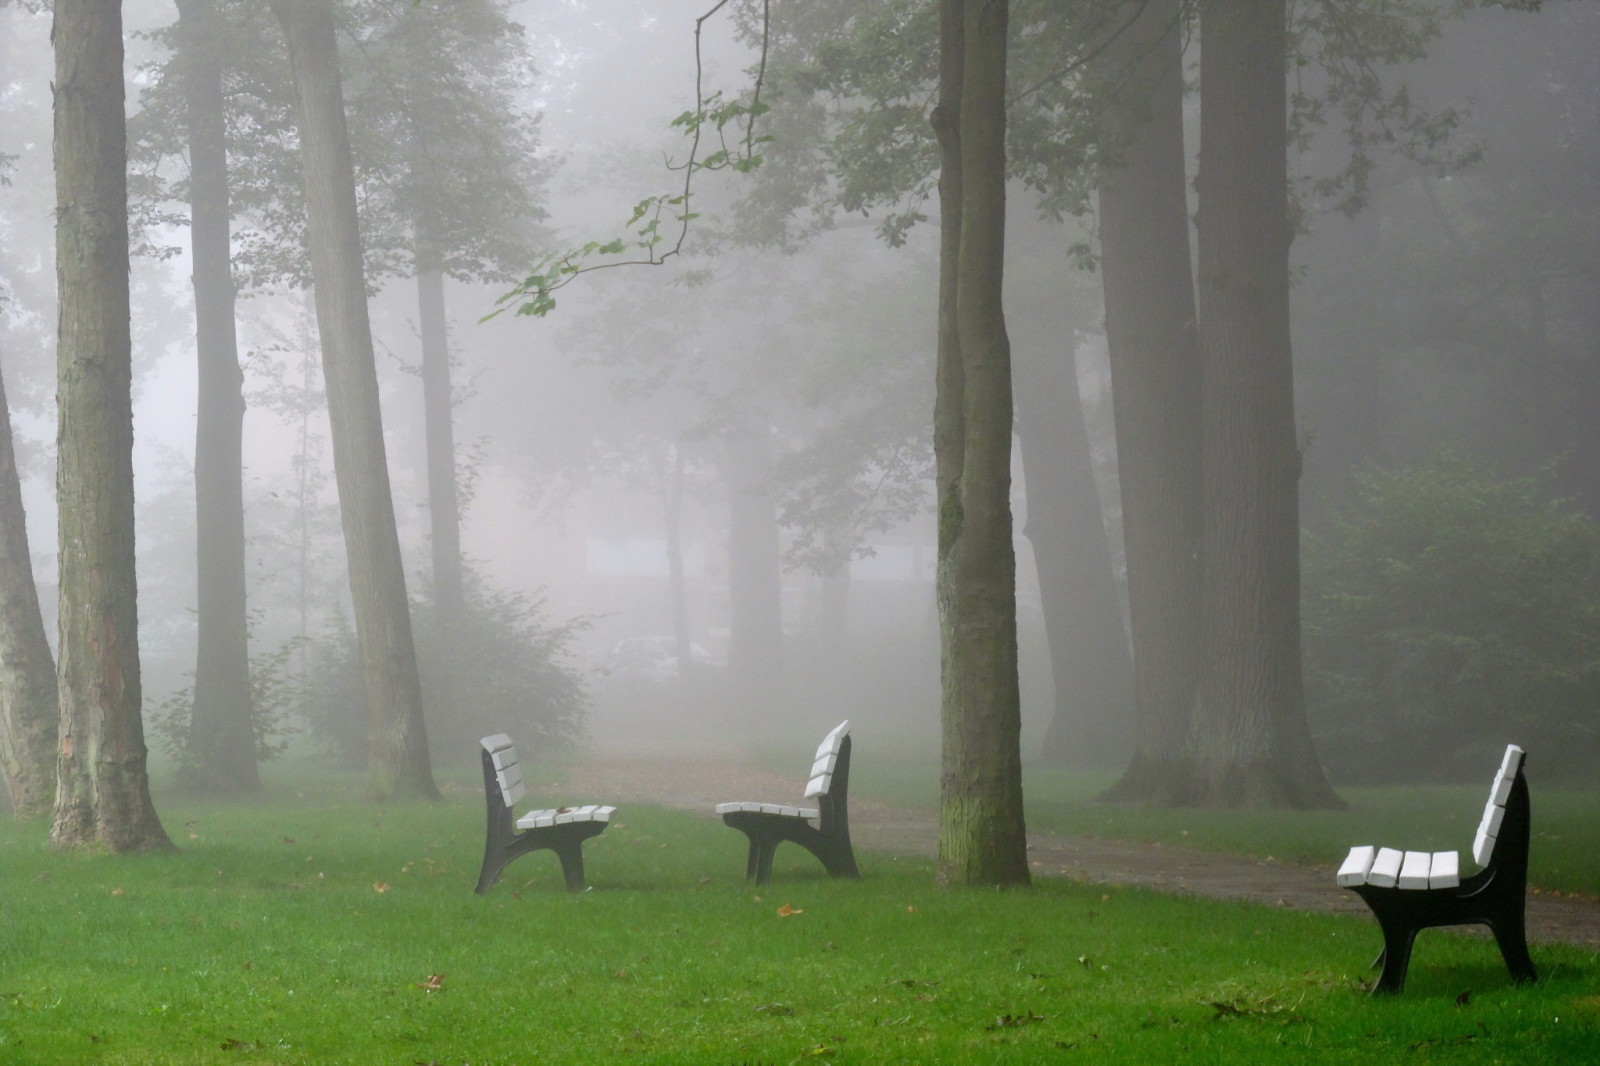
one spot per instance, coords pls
(1512, 761)
(1493, 818)
(496, 742)
(504, 758)
(809, 814)
(1482, 847)
(1385, 868)
(1445, 871)
(818, 785)
(824, 764)
(513, 795)
(603, 814)
(536, 819)
(1502, 787)
(509, 778)
(1414, 869)
(1356, 864)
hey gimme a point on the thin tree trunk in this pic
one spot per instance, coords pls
(1252, 746)
(1154, 345)
(28, 696)
(102, 790)
(222, 740)
(1089, 659)
(982, 837)
(678, 585)
(444, 507)
(397, 737)
(755, 638)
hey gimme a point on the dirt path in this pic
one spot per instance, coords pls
(698, 785)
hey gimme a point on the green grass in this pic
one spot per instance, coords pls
(267, 940)
(1565, 855)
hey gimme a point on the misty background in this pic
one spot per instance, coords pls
(763, 402)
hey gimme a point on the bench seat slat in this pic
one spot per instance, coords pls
(1385, 868)
(1357, 864)
(1414, 869)
(1445, 871)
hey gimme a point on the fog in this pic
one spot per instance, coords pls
(764, 402)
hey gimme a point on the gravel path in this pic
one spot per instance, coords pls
(697, 785)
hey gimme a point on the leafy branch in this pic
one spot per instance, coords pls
(655, 217)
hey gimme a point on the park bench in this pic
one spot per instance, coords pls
(560, 829)
(1416, 890)
(824, 830)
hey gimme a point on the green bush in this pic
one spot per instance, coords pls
(1452, 613)
(500, 668)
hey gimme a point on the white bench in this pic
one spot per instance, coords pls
(560, 829)
(823, 830)
(1409, 891)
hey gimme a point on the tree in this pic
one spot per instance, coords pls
(982, 838)
(222, 747)
(28, 695)
(397, 735)
(1251, 745)
(102, 791)
(1154, 345)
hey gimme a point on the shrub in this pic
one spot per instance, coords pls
(500, 668)
(1453, 612)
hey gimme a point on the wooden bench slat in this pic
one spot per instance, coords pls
(1445, 871)
(1385, 868)
(1414, 869)
(818, 786)
(1357, 864)
(496, 743)
(513, 795)
(824, 764)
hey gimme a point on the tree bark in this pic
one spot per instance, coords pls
(102, 790)
(398, 745)
(1154, 345)
(222, 743)
(982, 837)
(28, 696)
(1250, 740)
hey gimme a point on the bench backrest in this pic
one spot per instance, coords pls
(827, 760)
(502, 755)
(1494, 811)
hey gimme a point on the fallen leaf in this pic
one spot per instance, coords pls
(786, 910)
(620, 975)
(194, 836)
(288, 840)
(911, 909)
(1013, 1021)
(380, 886)
(434, 983)
(117, 891)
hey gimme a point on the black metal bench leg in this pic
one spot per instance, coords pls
(1377, 962)
(1512, 937)
(571, 856)
(493, 863)
(1396, 955)
(764, 861)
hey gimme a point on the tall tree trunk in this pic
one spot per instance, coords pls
(222, 742)
(678, 585)
(102, 790)
(28, 697)
(1089, 660)
(1154, 346)
(444, 507)
(397, 737)
(755, 638)
(1252, 746)
(982, 836)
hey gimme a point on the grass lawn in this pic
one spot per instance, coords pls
(1565, 855)
(306, 930)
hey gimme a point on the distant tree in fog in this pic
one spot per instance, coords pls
(397, 735)
(103, 790)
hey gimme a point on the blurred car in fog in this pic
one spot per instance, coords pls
(650, 658)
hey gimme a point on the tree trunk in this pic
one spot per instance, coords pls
(677, 581)
(982, 837)
(1251, 743)
(222, 740)
(444, 508)
(28, 697)
(755, 638)
(1154, 346)
(1089, 660)
(102, 790)
(397, 737)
